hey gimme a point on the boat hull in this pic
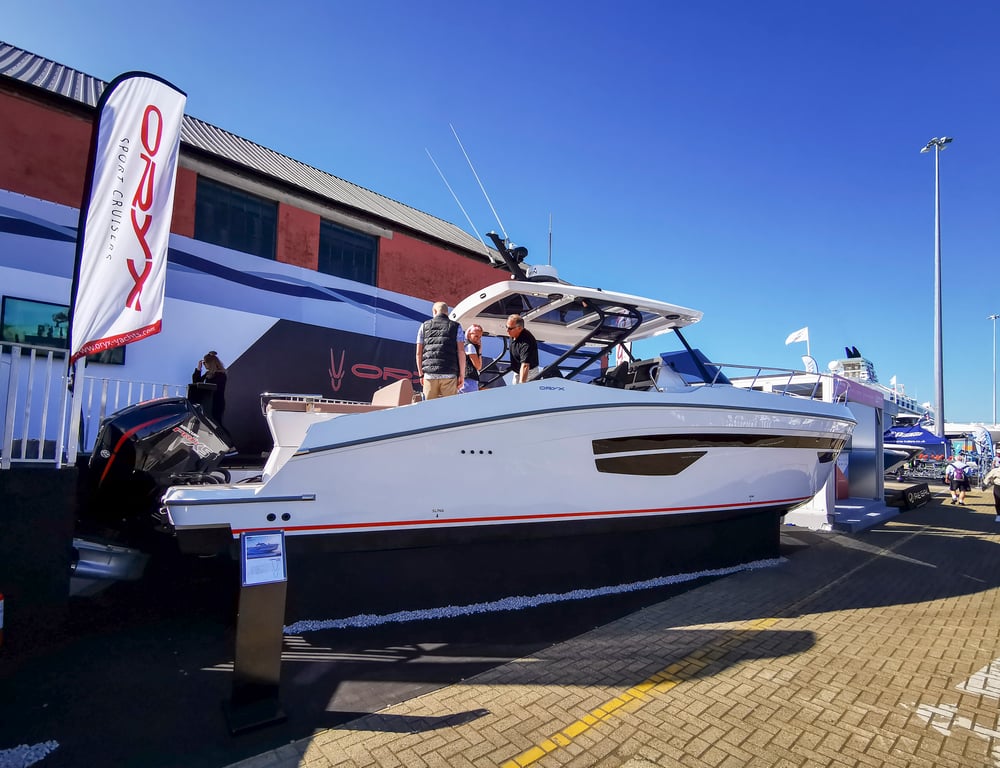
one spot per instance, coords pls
(543, 486)
(467, 567)
(520, 459)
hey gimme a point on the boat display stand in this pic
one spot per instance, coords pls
(254, 701)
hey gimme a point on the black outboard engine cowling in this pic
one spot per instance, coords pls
(144, 449)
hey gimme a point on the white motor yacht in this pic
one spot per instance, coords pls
(665, 453)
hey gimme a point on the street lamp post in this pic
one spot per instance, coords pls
(938, 145)
(994, 319)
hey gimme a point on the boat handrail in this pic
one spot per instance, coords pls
(788, 375)
(399, 392)
(296, 397)
(322, 406)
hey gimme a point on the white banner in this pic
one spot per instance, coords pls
(802, 334)
(121, 261)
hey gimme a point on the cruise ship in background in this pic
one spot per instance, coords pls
(900, 408)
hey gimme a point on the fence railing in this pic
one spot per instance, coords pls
(36, 406)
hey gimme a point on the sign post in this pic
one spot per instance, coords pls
(257, 663)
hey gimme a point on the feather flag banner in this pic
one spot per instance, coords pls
(121, 263)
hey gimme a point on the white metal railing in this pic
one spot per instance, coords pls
(785, 381)
(36, 406)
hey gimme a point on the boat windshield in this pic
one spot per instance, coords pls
(592, 322)
(578, 325)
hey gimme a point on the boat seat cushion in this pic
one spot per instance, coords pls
(400, 392)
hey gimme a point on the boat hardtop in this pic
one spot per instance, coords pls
(571, 315)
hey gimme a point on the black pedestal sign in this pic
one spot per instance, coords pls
(257, 664)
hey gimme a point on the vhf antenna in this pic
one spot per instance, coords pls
(500, 223)
(456, 198)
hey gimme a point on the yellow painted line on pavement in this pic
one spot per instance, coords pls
(635, 697)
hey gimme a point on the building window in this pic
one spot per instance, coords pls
(235, 219)
(343, 253)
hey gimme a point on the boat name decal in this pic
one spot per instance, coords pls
(547, 387)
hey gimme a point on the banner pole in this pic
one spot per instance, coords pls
(75, 386)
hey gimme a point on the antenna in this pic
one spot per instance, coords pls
(550, 239)
(456, 198)
(504, 231)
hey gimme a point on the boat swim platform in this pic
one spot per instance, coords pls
(852, 515)
(880, 648)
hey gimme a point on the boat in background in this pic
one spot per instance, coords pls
(579, 478)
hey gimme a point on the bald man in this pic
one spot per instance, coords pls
(440, 354)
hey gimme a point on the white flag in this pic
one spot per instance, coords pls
(802, 334)
(892, 382)
(121, 261)
(810, 364)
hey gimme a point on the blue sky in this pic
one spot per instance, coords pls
(757, 161)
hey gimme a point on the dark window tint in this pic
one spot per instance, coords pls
(235, 219)
(347, 254)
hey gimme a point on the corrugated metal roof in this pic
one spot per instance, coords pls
(37, 71)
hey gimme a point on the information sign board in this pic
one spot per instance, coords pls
(263, 557)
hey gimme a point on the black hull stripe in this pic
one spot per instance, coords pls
(649, 463)
(728, 440)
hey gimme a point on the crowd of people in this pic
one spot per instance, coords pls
(450, 358)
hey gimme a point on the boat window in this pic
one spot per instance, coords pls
(516, 304)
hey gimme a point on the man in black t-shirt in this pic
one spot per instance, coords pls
(523, 349)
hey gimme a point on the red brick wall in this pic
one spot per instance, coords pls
(43, 151)
(43, 154)
(298, 237)
(416, 268)
(185, 193)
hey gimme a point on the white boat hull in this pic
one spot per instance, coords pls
(540, 455)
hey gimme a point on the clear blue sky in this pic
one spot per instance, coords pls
(757, 161)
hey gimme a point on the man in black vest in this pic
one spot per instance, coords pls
(440, 354)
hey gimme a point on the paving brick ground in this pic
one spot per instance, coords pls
(869, 649)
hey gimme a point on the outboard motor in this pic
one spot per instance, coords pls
(141, 451)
